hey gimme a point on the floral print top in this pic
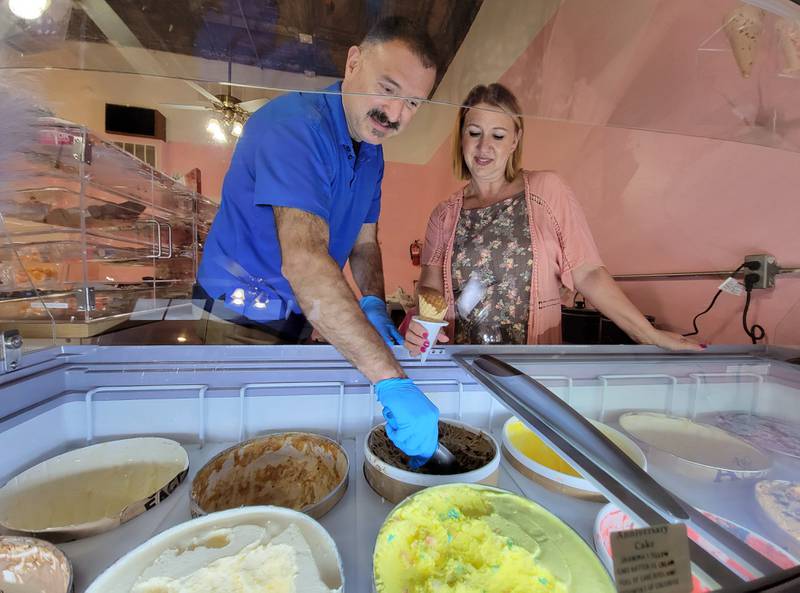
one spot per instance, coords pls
(494, 245)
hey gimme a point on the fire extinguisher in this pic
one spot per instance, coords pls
(414, 251)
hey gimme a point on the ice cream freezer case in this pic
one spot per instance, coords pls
(105, 450)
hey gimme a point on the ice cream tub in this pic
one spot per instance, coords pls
(533, 458)
(769, 434)
(472, 537)
(264, 548)
(779, 511)
(388, 472)
(695, 450)
(303, 471)
(610, 519)
(93, 489)
(30, 565)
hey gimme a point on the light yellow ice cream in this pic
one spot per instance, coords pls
(432, 305)
(463, 538)
(530, 445)
(283, 565)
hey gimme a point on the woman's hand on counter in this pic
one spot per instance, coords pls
(672, 341)
(418, 340)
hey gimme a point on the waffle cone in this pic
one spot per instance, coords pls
(789, 38)
(432, 305)
(743, 27)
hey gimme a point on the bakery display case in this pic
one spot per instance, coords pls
(90, 234)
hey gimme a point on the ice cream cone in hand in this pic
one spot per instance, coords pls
(789, 37)
(743, 26)
(432, 305)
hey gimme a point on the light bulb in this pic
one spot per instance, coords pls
(29, 10)
(237, 298)
(213, 126)
(215, 129)
(236, 129)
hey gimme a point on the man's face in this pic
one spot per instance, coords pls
(385, 71)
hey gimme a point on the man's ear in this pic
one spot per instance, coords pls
(353, 63)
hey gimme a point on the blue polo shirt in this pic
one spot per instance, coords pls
(295, 152)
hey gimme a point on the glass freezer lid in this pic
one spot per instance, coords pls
(720, 432)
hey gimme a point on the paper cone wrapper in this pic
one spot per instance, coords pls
(432, 327)
(743, 28)
(789, 39)
(432, 304)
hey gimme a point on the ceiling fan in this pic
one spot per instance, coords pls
(229, 113)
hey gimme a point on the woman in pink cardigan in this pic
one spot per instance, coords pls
(502, 248)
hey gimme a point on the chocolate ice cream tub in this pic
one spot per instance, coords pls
(388, 472)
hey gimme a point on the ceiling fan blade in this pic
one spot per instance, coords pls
(253, 105)
(205, 92)
(244, 86)
(186, 107)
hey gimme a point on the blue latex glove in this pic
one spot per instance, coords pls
(375, 310)
(412, 421)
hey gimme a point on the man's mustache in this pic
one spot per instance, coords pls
(383, 119)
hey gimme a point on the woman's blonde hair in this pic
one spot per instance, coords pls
(495, 95)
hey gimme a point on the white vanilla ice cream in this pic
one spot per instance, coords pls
(283, 564)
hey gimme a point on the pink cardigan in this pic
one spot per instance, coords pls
(560, 242)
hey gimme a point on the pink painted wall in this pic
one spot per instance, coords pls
(213, 161)
(409, 194)
(667, 199)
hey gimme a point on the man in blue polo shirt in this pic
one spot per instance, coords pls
(302, 198)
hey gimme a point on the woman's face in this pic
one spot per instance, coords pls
(488, 139)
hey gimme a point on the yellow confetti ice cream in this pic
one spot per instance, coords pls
(432, 306)
(466, 538)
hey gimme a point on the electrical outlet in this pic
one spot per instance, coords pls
(766, 271)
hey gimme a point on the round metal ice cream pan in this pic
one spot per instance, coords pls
(472, 537)
(388, 473)
(303, 471)
(93, 489)
(30, 564)
(191, 547)
(695, 450)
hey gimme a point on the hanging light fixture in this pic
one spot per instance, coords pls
(236, 129)
(30, 10)
(214, 128)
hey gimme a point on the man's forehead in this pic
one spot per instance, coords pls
(395, 63)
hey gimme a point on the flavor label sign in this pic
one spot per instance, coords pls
(652, 560)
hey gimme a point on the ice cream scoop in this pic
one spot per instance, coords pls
(443, 459)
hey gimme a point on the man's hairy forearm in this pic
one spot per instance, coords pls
(325, 297)
(367, 268)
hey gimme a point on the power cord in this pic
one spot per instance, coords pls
(756, 332)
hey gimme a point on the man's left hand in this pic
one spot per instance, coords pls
(375, 310)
